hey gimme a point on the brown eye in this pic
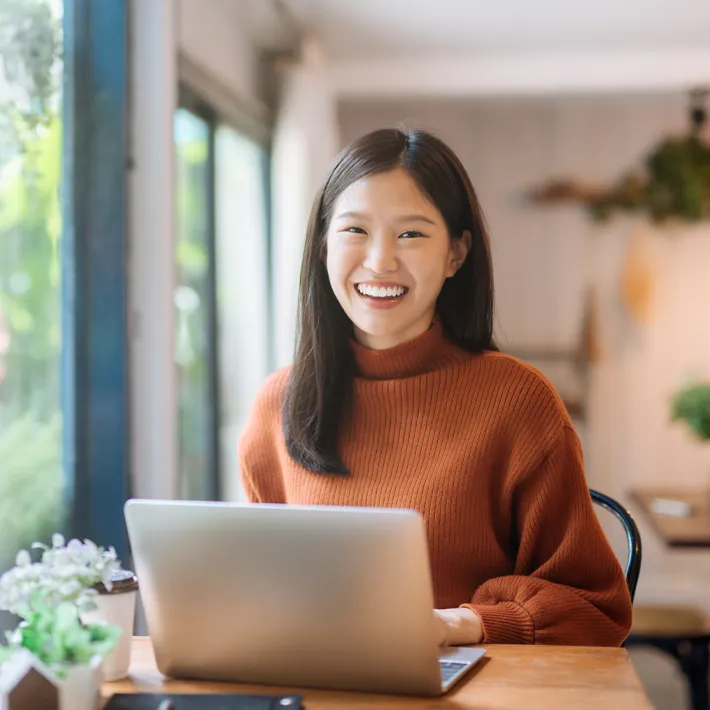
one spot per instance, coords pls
(410, 235)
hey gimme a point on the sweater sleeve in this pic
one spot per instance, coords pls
(567, 586)
(258, 449)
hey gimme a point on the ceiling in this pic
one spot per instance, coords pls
(388, 29)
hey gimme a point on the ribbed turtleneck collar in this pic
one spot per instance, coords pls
(430, 351)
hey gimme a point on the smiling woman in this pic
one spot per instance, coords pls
(398, 398)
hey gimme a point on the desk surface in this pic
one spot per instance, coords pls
(690, 531)
(510, 677)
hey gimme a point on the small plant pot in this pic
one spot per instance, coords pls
(117, 608)
(80, 688)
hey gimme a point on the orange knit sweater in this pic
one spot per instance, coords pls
(482, 447)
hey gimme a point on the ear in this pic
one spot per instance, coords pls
(458, 252)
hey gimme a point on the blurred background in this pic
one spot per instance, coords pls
(157, 163)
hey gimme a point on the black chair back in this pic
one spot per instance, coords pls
(633, 537)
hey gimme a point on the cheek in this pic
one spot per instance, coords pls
(429, 267)
(338, 265)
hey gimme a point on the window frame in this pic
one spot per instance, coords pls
(95, 378)
(201, 94)
(189, 101)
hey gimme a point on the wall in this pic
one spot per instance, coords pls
(305, 141)
(212, 33)
(545, 258)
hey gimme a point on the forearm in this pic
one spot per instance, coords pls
(528, 610)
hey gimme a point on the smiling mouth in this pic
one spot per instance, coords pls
(381, 293)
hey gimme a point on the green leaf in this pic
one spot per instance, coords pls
(692, 406)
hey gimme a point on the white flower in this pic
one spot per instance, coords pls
(23, 559)
(65, 574)
(57, 557)
(70, 589)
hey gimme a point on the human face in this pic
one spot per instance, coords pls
(386, 237)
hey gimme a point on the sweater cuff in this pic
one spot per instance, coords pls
(505, 622)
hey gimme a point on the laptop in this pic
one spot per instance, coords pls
(322, 597)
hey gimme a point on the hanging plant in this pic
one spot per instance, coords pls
(673, 183)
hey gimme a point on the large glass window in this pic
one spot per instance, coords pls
(32, 484)
(194, 305)
(242, 289)
(221, 296)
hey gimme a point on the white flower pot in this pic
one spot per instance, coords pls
(80, 689)
(118, 610)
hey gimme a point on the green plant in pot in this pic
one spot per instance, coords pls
(49, 596)
(692, 406)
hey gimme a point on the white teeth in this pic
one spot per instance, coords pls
(381, 291)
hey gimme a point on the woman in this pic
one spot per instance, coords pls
(398, 398)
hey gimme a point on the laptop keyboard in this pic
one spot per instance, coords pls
(450, 668)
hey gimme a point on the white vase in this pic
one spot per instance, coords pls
(80, 688)
(117, 608)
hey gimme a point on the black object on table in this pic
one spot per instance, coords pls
(204, 701)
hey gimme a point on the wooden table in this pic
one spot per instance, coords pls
(510, 677)
(690, 531)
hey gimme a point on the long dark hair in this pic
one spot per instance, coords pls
(318, 396)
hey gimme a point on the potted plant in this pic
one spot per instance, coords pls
(50, 596)
(692, 405)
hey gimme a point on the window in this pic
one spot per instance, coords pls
(198, 473)
(62, 271)
(243, 305)
(32, 476)
(222, 349)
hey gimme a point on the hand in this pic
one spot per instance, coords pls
(457, 627)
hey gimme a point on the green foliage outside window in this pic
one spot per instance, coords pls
(31, 474)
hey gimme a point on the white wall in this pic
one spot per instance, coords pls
(212, 33)
(544, 259)
(304, 146)
(151, 270)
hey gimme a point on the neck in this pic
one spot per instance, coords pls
(387, 342)
(432, 350)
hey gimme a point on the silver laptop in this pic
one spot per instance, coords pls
(324, 597)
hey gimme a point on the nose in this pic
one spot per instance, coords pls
(381, 256)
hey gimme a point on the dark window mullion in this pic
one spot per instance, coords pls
(95, 277)
(212, 320)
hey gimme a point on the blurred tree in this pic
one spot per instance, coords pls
(31, 476)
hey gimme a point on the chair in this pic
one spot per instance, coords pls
(633, 537)
(681, 631)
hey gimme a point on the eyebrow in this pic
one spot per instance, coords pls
(403, 218)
